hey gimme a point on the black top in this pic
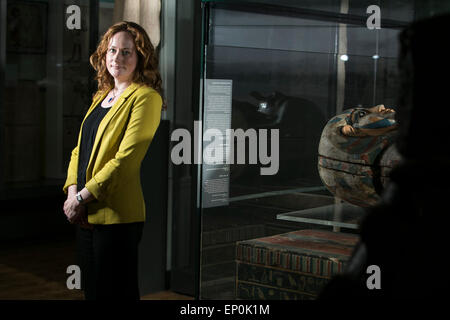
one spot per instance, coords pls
(89, 131)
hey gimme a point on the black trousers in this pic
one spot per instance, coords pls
(108, 259)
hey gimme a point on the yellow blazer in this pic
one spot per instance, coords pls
(113, 171)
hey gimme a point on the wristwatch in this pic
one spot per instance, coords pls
(79, 197)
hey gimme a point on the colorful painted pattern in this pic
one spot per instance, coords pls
(294, 265)
(314, 252)
(352, 166)
(267, 283)
(251, 291)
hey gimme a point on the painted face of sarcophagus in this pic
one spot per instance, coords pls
(357, 153)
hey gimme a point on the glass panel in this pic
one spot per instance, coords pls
(47, 93)
(398, 10)
(48, 90)
(291, 72)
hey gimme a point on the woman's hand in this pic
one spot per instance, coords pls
(82, 219)
(72, 208)
(76, 213)
(71, 191)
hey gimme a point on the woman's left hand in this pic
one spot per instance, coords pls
(72, 209)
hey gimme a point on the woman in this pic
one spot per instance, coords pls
(104, 194)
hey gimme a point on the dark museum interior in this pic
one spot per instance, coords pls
(333, 175)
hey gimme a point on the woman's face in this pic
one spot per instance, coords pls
(121, 57)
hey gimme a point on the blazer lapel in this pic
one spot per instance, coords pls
(104, 123)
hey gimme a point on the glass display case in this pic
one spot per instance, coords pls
(274, 73)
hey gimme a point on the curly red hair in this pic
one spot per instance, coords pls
(146, 71)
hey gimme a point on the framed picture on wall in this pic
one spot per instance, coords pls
(26, 27)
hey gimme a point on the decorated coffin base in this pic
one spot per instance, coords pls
(290, 266)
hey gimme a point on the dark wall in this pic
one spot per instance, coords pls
(40, 217)
(152, 250)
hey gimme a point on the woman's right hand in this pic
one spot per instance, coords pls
(82, 219)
